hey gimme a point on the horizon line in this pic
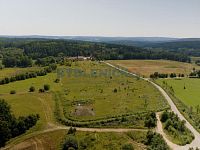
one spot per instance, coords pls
(103, 36)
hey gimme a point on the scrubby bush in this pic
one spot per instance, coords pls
(150, 120)
(172, 75)
(115, 90)
(12, 92)
(41, 91)
(128, 146)
(164, 116)
(71, 130)
(176, 128)
(70, 143)
(57, 80)
(155, 141)
(46, 87)
(32, 89)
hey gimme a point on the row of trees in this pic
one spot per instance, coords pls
(165, 75)
(28, 75)
(10, 126)
(32, 89)
(195, 73)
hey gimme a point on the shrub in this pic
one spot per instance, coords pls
(12, 92)
(115, 90)
(46, 87)
(70, 143)
(176, 128)
(41, 90)
(168, 123)
(127, 147)
(150, 120)
(164, 116)
(155, 141)
(57, 81)
(71, 130)
(32, 89)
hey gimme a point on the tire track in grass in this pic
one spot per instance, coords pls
(48, 113)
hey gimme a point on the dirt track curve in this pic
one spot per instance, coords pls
(195, 143)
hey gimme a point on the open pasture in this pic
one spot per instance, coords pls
(97, 96)
(189, 95)
(23, 86)
(35, 103)
(147, 67)
(8, 72)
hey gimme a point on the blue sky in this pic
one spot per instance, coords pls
(171, 18)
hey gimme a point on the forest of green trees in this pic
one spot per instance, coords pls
(10, 126)
(21, 52)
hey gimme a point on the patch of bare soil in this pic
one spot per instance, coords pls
(83, 111)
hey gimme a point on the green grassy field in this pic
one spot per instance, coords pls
(89, 97)
(90, 140)
(92, 96)
(180, 138)
(186, 99)
(25, 104)
(190, 95)
(23, 86)
(8, 72)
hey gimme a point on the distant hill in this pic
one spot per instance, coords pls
(189, 46)
(98, 38)
(181, 44)
(166, 43)
(40, 47)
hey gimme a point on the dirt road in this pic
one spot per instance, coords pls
(196, 142)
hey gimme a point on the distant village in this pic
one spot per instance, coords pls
(79, 58)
